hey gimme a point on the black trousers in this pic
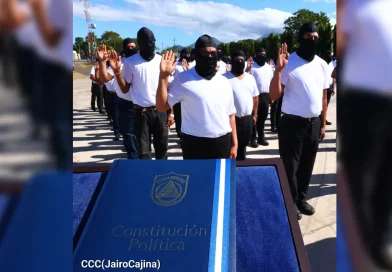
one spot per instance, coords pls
(178, 118)
(57, 111)
(151, 123)
(262, 112)
(96, 95)
(298, 145)
(199, 148)
(276, 112)
(127, 127)
(365, 151)
(114, 112)
(244, 133)
(105, 100)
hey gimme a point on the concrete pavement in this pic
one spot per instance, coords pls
(93, 144)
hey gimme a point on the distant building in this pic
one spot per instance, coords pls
(76, 56)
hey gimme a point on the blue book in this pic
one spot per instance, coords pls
(174, 216)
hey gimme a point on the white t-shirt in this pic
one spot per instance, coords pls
(222, 67)
(263, 76)
(331, 66)
(60, 17)
(111, 84)
(92, 72)
(205, 104)
(178, 69)
(144, 76)
(119, 93)
(192, 64)
(304, 85)
(244, 91)
(367, 24)
(28, 35)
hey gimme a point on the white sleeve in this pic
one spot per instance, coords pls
(231, 109)
(175, 92)
(127, 72)
(92, 71)
(110, 71)
(327, 77)
(285, 77)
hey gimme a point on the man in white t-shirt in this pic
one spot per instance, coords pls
(304, 78)
(124, 103)
(263, 73)
(183, 63)
(222, 66)
(96, 89)
(54, 22)
(364, 119)
(140, 77)
(207, 104)
(246, 96)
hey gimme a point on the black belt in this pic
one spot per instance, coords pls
(243, 117)
(296, 117)
(143, 109)
(112, 92)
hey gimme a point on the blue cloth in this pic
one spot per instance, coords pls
(127, 125)
(343, 262)
(38, 237)
(264, 240)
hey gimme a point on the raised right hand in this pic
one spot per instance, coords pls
(185, 65)
(102, 53)
(168, 64)
(249, 63)
(283, 57)
(115, 61)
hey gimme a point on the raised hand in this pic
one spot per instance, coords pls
(114, 60)
(185, 65)
(102, 53)
(283, 57)
(168, 64)
(249, 64)
(96, 66)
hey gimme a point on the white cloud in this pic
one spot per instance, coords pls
(332, 21)
(224, 21)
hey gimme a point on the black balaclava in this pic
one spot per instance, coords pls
(328, 58)
(128, 51)
(226, 59)
(183, 55)
(237, 67)
(193, 52)
(260, 60)
(146, 41)
(205, 65)
(307, 47)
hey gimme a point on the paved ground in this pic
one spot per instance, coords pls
(93, 144)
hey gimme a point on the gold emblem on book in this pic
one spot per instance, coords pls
(169, 189)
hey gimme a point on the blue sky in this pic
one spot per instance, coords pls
(186, 20)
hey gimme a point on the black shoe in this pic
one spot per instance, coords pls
(297, 212)
(274, 129)
(116, 138)
(111, 122)
(253, 144)
(305, 208)
(124, 150)
(102, 112)
(263, 142)
(94, 109)
(328, 123)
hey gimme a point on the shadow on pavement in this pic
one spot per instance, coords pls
(322, 255)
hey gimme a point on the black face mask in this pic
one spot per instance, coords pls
(146, 42)
(260, 60)
(237, 67)
(188, 59)
(308, 49)
(130, 52)
(206, 66)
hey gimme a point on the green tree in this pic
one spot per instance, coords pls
(112, 39)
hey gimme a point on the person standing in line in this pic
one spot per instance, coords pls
(304, 77)
(263, 75)
(207, 104)
(125, 106)
(246, 99)
(222, 66)
(140, 76)
(185, 58)
(331, 90)
(96, 90)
